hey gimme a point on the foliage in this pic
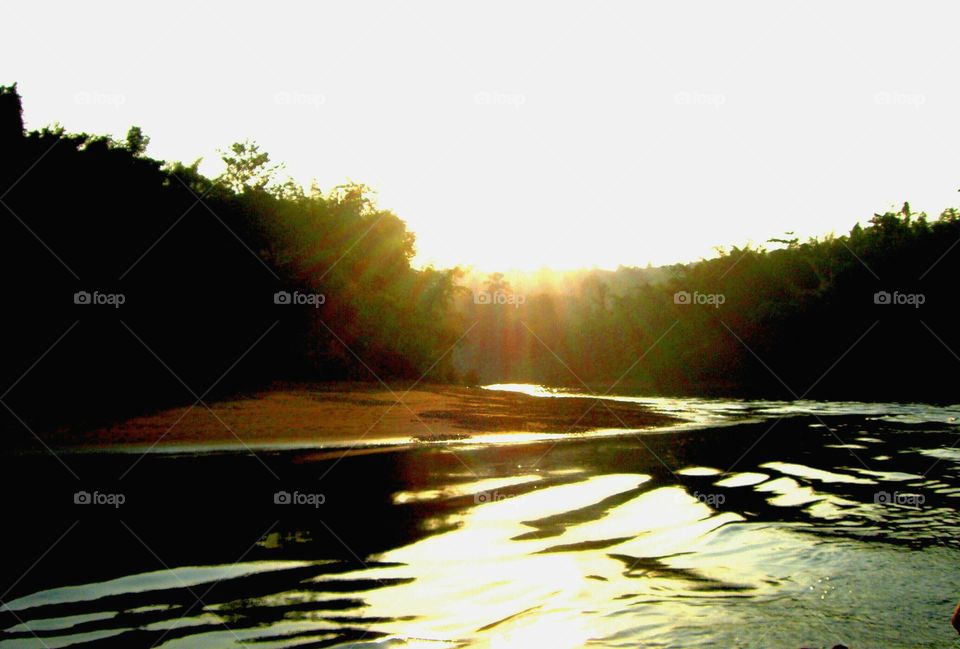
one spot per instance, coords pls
(805, 319)
(199, 262)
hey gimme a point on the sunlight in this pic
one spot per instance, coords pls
(557, 630)
(524, 388)
(519, 573)
(454, 325)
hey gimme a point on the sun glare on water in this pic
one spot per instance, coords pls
(496, 581)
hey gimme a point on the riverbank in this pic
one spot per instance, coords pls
(361, 413)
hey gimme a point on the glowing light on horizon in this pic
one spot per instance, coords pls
(646, 139)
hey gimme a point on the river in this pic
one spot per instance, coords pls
(756, 524)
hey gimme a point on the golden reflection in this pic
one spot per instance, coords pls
(820, 475)
(698, 471)
(554, 566)
(526, 388)
(521, 570)
(456, 490)
(557, 630)
(744, 479)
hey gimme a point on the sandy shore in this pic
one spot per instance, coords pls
(351, 413)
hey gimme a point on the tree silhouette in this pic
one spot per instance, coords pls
(11, 115)
(136, 141)
(201, 264)
(247, 168)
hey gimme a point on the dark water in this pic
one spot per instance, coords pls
(769, 525)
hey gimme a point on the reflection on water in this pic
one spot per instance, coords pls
(836, 524)
(702, 411)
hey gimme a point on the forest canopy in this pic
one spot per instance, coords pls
(233, 282)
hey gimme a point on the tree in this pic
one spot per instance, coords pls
(11, 114)
(496, 283)
(137, 142)
(247, 168)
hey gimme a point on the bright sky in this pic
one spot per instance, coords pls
(514, 135)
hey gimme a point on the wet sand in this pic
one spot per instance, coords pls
(359, 413)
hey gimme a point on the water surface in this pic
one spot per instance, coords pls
(760, 524)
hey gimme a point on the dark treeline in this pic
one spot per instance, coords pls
(869, 315)
(198, 263)
(197, 279)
